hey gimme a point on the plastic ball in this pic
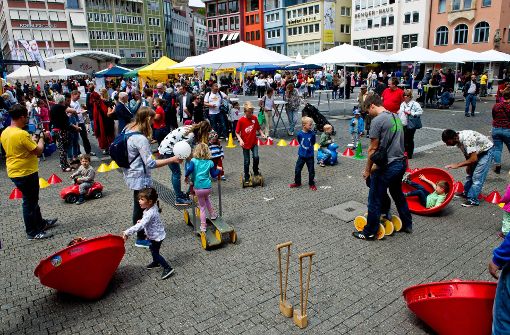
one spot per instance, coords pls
(334, 158)
(182, 150)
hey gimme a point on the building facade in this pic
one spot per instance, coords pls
(181, 34)
(390, 25)
(274, 24)
(200, 34)
(57, 26)
(253, 22)
(224, 22)
(132, 29)
(477, 25)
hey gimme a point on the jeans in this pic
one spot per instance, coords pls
(246, 155)
(418, 191)
(84, 187)
(73, 147)
(159, 134)
(175, 168)
(310, 165)
(156, 257)
(292, 116)
(380, 181)
(500, 136)
(84, 137)
(29, 187)
(476, 177)
(483, 90)
(470, 99)
(326, 154)
(501, 307)
(137, 215)
(218, 124)
(409, 141)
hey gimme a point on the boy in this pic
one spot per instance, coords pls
(217, 153)
(246, 132)
(356, 127)
(85, 174)
(325, 141)
(427, 199)
(306, 139)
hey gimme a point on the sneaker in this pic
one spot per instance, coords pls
(143, 244)
(223, 178)
(182, 202)
(497, 169)
(79, 201)
(153, 266)
(294, 185)
(466, 115)
(214, 217)
(321, 163)
(460, 196)
(203, 227)
(469, 203)
(407, 230)
(473, 114)
(360, 235)
(92, 153)
(313, 188)
(50, 223)
(167, 273)
(405, 178)
(40, 236)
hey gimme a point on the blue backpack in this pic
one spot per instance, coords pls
(119, 149)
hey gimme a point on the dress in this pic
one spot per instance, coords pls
(103, 125)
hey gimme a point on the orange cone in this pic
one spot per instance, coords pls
(294, 143)
(458, 187)
(269, 141)
(15, 194)
(494, 197)
(54, 179)
(348, 152)
(260, 143)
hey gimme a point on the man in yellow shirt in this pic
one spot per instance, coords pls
(483, 84)
(22, 167)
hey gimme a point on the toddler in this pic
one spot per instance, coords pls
(201, 169)
(356, 127)
(427, 199)
(84, 177)
(505, 225)
(217, 153)
(325, 141)
(154, 228)
(306, 139)
(234, 116)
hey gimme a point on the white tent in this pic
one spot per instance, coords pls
(344, 54)
(65, 73)
(460, 55)
(32, 73)
(419, 55)
(235, 55)
(494, 56)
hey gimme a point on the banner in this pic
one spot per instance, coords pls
(49, 52)
(207, 73)
(27, 53)
(329, 22)
(14, 53)
(36, 54)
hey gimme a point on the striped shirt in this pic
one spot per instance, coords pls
(216, 150)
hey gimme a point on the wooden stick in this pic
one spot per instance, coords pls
(283, 293)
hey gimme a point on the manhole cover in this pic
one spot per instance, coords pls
(165, 194)
(347, 211)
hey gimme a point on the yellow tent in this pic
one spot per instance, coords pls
(158, 71)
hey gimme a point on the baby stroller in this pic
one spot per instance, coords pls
(319, 119)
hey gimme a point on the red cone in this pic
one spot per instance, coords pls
(54, 179)
(494, 197)
(269, 141)
(260, 143)
(458, 187)
(348, 152)
(15, 194)
(294, 143)
(481, 196)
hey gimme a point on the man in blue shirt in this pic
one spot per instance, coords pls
(306, 139)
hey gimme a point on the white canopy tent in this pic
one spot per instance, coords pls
(30, 74)
(419, 55)
(65, 73)
(460, 55)
(494, 56)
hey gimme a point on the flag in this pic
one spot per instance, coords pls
(36, 54)
(49, 52)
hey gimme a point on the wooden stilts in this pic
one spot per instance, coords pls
(300, 316)
(285, 307)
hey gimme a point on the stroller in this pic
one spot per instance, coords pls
(319, 119)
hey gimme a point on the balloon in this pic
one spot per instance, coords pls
(182, 150)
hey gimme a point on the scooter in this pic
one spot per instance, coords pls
(254, 181)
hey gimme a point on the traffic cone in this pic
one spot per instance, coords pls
(359, 152)
(43, 183)
(494, 197)
(316, 147)
(294, 143)
(113, 165)
(15, 194)
(481, 196)
(282, 143)
(260, 143)
(458, 187)
(348, 152)
(269, 141)
(54, 179)
(230, 143)
(103, 168)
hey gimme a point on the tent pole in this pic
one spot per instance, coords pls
(345, 86)
(40, 79)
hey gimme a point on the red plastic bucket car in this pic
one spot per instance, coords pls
(70, 194)
(83, 269)
(454, 307)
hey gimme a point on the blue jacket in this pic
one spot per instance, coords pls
(361, 126)
(306, 143)
(502, 253)
(199, 169)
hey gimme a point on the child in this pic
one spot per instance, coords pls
(85, 174)
(217, 153)
(505, 225)
(44, 114)
(325, 141)
(246, 132)
(154, 228)
(200, 167)
(356, 127)
(306, 139)
(234, 116)
(427, 199)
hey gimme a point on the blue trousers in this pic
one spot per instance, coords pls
(156, 256)
(420, 192)
(475, 180)
(310, 165)
(470, 100)
(501, 308)
(218, 124)
(29, 187)
(246, 156)
(500, 136)
(175, 168)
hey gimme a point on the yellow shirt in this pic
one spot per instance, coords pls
(483, 79)
(18, 146)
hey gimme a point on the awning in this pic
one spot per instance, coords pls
(230, 37)
(236, 35)
(78, 19)
(80, 37)
(224, 37)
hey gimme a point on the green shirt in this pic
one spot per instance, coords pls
(434, 199)
(325, 140)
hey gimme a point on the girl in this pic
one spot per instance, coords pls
(154, 228)
(200, 167)
(44, 114)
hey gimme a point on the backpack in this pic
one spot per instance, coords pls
(119, 149)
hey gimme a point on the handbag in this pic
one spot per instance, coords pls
(261, 117)
(380, 156)
(414, 122)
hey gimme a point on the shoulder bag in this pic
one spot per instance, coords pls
(380, 156)
(414, 121)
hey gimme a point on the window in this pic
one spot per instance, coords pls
(233, 6)
(391, 20)
(73, 4)
(442, 6)
(486, 3)
(455, 4)
(442, 36)
(257, 35)
(252, 5)
(461, 33)
(382, 43)
(407, 18)
(222, 8)
(416, 17)
(345, 28)
(375, 44)
(345, 11)
(467, 4)
(369, 23)
(409, 41)
(211, 9)
(383, 21)
(481, 32)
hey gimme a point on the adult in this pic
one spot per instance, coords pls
(198, 133)
(261, 83)
(184, 98)
(80, 112)
(470, 91)
(387, 132)
(159, 125)
(138, 175)
(292, 107)
(483, 84)
(380, 86)
(196, 108)
(363, 92)
(22, 167)
(501, 128)
(213, 100)
(104, 125)
(501, 307)
(62, 128)
(122, 112)
(267, 105)
(336, 85)
(136, 102)
(410, 115)
(478, 151)
(392, 96)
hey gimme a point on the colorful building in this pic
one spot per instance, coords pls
(274, 24)
(253, 22)
(224, 22)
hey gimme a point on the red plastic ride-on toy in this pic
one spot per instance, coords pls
(70, 194)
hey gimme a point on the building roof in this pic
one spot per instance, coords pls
(98, 55)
